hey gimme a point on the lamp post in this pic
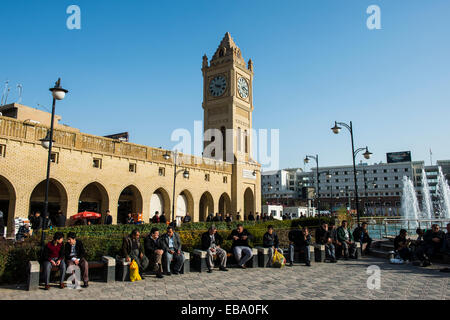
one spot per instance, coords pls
(316, 158)
(58, 93)
(185, 175)
(336, 129)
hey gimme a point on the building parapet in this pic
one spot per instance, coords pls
(31, 132)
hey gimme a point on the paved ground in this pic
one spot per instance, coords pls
(344, 280)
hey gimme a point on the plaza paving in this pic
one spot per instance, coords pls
(341, 281)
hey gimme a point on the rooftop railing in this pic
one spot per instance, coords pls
(31, 132)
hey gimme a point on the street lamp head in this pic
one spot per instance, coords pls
(186, 174)
(46, 141)
(367, 154)
(254, 173)
(336, 129)
(57, 91)
(306, 160)
(328, 175)
(166, 156)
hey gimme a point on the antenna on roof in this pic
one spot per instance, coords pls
(5, 93)
(20, 88)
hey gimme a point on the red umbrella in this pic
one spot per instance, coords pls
(86, 215)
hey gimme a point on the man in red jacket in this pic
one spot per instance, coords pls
(53, 256)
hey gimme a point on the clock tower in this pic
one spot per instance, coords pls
(228, 106)
(228, 99)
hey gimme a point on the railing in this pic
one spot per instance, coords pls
(12, 128)
(390, 227)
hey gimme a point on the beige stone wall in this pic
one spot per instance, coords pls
(23, 167)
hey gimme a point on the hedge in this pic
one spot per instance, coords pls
(101, 240)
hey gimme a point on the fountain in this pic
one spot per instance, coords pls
(427, 204)
(443, 195)
(410, 205)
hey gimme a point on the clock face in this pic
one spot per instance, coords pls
(243, 87)
(217, 86)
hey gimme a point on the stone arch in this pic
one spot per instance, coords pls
(184, 204)
(206, 205)
(7, 204)
(130, 200)
(224, 204)
(249, 202)
(160, 201)
(57, 199)
(94, 197)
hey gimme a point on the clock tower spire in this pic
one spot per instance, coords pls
(228, 100)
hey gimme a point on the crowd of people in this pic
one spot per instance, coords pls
(428, 244)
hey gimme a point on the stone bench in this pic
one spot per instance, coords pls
(358, 252)
(263, 256)
(108, 264)
(297, 256)
(186, 268)
(200, 265)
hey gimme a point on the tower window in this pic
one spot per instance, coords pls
(162, 172)
(207, 177)
(97, 163)
(2, 150)
(132, 167)
(54, 157)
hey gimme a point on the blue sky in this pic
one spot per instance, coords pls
(136, 66)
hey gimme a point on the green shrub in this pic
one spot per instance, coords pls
(106, 240)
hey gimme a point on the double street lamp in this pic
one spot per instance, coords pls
(167, 156)
(336, 129)
(58, 93)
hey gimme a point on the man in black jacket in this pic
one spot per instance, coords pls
(323, 237)
(241, 248)
(171, 244)
(108, 218)
(187, 218)
(299, 240)
(36, 221)
(75, 255)
(433, 241)
(162, 218)
(271, 241)
(251, 217)
(211, 242)
(60, 220)
(154, 251)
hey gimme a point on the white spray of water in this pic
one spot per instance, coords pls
(427, 205)
(410, 204)
(443, 194)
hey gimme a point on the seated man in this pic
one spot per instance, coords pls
(132, 250)
(75, 255)
(154, 251)
(433, 242)
(299, 240)
(211, 242)
(53, 256)
(24, 232)
(241, 248)
(401, 245)
(171, 244)
(345, 237)
(271, 241)
(361, 234)
(446, 245)
(187, 218)
(323, 237)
